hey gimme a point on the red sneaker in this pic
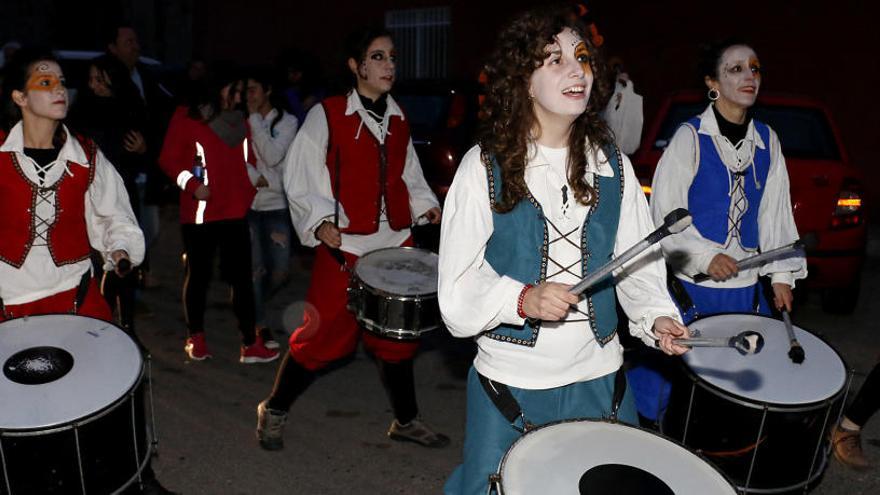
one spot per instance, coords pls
(257, 353)
(196, 347)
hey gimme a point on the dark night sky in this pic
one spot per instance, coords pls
(821, 49)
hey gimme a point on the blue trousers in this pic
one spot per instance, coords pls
(649, 378)
(488, 435)
(270, 255)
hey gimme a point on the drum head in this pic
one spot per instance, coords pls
(595, 457)
(401, 271)
(768, 377)
(58, 369)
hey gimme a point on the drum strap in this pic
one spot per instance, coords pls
(81, 290)
(678, 292)
(506, 403)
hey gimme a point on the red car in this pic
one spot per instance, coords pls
(826, 189)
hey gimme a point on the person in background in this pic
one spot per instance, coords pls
(122, 43)
(272, 131)
(624, 112)
(204, 153)
(543, 200)
(846, 436)
(108, 111)
(340, 203)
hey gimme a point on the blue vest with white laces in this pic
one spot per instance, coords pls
(519, 245)
(709, 195)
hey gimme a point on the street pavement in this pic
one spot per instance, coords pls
(335, 438)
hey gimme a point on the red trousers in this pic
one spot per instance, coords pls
(94, 305)
(329, 331)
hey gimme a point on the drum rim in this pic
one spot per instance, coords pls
(76, 423)
(760, 405)
(98, 413)
(394, 333)
(607, 421)
(392, 295)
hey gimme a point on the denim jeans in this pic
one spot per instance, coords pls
(270, 255)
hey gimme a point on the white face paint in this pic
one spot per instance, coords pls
(45, 94)
(560, 88)
(739, 77)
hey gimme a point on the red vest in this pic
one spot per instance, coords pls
(68, 237)
(362, 182)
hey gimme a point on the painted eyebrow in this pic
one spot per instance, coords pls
(554, 52)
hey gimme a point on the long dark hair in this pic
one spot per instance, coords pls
(508, 115)
(206, 93)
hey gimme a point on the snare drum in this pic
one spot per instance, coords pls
(760, 418)
(393, 292)
(598, 457)
(71, 414)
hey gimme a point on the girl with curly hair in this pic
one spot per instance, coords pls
(543, 200)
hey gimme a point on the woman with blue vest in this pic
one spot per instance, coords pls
(543, 200)
(728, 170)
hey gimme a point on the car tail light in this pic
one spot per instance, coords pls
(646, 187)
(849, 211)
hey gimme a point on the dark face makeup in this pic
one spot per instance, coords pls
(739, 77)
(376, 73)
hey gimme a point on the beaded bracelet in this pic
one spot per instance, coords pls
(519, 301)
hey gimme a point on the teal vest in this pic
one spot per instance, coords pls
(519, 246)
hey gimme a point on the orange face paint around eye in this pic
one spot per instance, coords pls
(581, 51)
(44, 82)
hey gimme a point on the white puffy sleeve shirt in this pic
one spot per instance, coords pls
(310, 193)
(689, 252)
(110, 222)
(474, 298)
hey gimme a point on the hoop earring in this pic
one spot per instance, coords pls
(713, 94)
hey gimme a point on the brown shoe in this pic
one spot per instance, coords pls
(418, 432)
(847, 446)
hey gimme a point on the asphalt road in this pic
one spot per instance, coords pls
(335, 439)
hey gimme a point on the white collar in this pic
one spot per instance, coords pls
(70, 152)
(353, 104)
(602, 168)
(709, 127)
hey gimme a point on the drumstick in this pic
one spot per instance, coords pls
(795, 352)
(676, 221)
(798, 246)
(336, 252)
(748, 342)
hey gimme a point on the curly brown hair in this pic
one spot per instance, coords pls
(508, 116)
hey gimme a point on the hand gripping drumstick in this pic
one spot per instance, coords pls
(787, 251)
(796, 352)
(748, 342)
(676, 221)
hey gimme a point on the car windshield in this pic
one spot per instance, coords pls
(429, 111)
(804, 132)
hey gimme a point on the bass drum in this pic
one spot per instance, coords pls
(598, 457)
(760, 418)
(72, 413)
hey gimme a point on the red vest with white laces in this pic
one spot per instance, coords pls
(68, 238)
(362, 182)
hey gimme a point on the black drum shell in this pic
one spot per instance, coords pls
(112, 446)
(723, 427)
